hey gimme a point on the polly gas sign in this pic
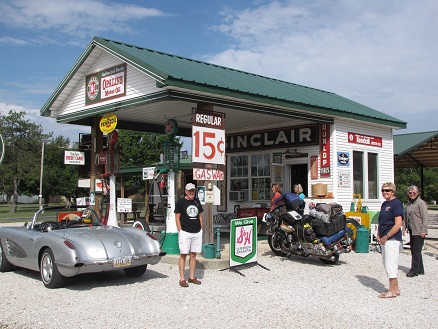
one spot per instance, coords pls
(105, 85)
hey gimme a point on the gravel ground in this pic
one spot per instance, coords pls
(299, 292)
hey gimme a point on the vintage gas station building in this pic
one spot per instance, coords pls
(276, 131)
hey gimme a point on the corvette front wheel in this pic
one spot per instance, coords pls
(49, 271)
(5, 266)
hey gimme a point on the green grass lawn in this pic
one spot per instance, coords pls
(24, 212)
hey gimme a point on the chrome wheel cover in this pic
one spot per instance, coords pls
(46, 268)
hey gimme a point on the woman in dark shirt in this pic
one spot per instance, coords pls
(390, 236)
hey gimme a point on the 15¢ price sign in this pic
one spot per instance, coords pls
(208, 145)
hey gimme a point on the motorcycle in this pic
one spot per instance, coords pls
(293, 233)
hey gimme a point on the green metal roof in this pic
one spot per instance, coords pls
(416, 150)
(404, 143)
(176, 71)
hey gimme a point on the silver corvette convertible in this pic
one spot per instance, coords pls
(75, 243)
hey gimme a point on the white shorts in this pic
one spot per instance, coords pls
(189, 242)
(390, 254)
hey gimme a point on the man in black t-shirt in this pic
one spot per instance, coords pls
(188, 216)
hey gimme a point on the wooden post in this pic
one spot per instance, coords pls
(146, 201)
(207, 235)
(208, 231)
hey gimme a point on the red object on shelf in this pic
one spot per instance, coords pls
(251, 212)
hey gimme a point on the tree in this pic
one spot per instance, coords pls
(21, 166)
(59, 179)
(411, 176)
(139, 149)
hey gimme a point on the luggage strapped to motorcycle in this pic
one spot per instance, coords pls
(292, 202)
(332, 209)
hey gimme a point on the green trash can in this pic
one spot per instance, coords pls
(209, 250)
(362, 236)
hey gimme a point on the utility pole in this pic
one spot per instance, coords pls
(40, 197)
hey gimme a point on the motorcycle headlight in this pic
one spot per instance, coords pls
(267, 217)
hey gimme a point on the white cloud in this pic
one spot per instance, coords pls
(383, 54)
(78, 17)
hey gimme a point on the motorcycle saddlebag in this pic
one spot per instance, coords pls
(336, 224)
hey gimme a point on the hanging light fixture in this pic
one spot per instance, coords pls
(290, 153)
(294, 154)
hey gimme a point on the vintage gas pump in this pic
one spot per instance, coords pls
(171, 150)
(112, 167)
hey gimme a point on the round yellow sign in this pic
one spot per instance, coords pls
(108, 123)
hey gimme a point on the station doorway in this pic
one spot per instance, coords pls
(298, 174)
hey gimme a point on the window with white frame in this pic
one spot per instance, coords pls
(239, 172)
(261, 177)
(365, 177)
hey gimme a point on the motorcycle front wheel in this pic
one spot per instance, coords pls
(274, 242)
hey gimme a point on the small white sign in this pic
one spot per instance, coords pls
(344, 179)
(74, 157)
(148, 173)
(124, 205)
(209, 196)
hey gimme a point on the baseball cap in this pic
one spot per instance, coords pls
(190, 186)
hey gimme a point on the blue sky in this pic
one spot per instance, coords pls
(383, 54)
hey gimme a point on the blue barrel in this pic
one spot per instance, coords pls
(362, 240)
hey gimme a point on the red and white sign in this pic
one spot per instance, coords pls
(101, 186)
(324, 167)
(113, 84)
(364, 139)
(74, 157)
(105, 85)
(208, 145)
(207, 174)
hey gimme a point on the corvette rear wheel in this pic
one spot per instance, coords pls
(49, 271)
(5, 266)
(135, 271)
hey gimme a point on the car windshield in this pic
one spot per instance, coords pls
(60, 217)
